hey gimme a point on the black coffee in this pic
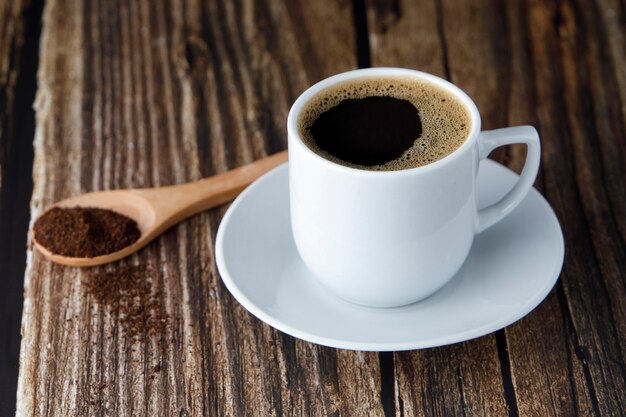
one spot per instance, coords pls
(385, 123)
(369, 130)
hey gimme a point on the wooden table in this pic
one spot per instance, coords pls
(147, 93)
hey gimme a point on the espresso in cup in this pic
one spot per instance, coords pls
(384, 123)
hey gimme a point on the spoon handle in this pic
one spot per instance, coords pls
(177, 202)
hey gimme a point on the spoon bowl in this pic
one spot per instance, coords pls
(157, 209)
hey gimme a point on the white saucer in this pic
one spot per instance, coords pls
(510, 270)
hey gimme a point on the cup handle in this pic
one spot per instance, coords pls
(487, 142)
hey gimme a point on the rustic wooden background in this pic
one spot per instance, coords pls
(147, 93)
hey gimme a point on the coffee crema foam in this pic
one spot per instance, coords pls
(446, 121)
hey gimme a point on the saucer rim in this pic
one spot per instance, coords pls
(456, 337)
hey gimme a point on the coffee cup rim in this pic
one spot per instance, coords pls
(309, 93)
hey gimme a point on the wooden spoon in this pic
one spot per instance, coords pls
(157, 209)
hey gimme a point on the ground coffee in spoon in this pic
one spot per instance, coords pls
(84, 232)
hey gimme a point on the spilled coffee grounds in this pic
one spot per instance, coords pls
(85, 232)
(128, 294)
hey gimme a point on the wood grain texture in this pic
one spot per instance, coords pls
(148, 93)
(584, 364)
(558, 66)
(406, 35)
(136, 94)
(463, 379)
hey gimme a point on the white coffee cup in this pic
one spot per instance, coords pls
(390, 238)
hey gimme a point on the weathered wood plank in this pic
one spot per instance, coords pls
(135, 94)
(548, 339)
(153, 93)
(489, 57)
(464, 379)
(406, 35)
(543, 81)
(556, 66)
(542, 340)
(579, 107)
